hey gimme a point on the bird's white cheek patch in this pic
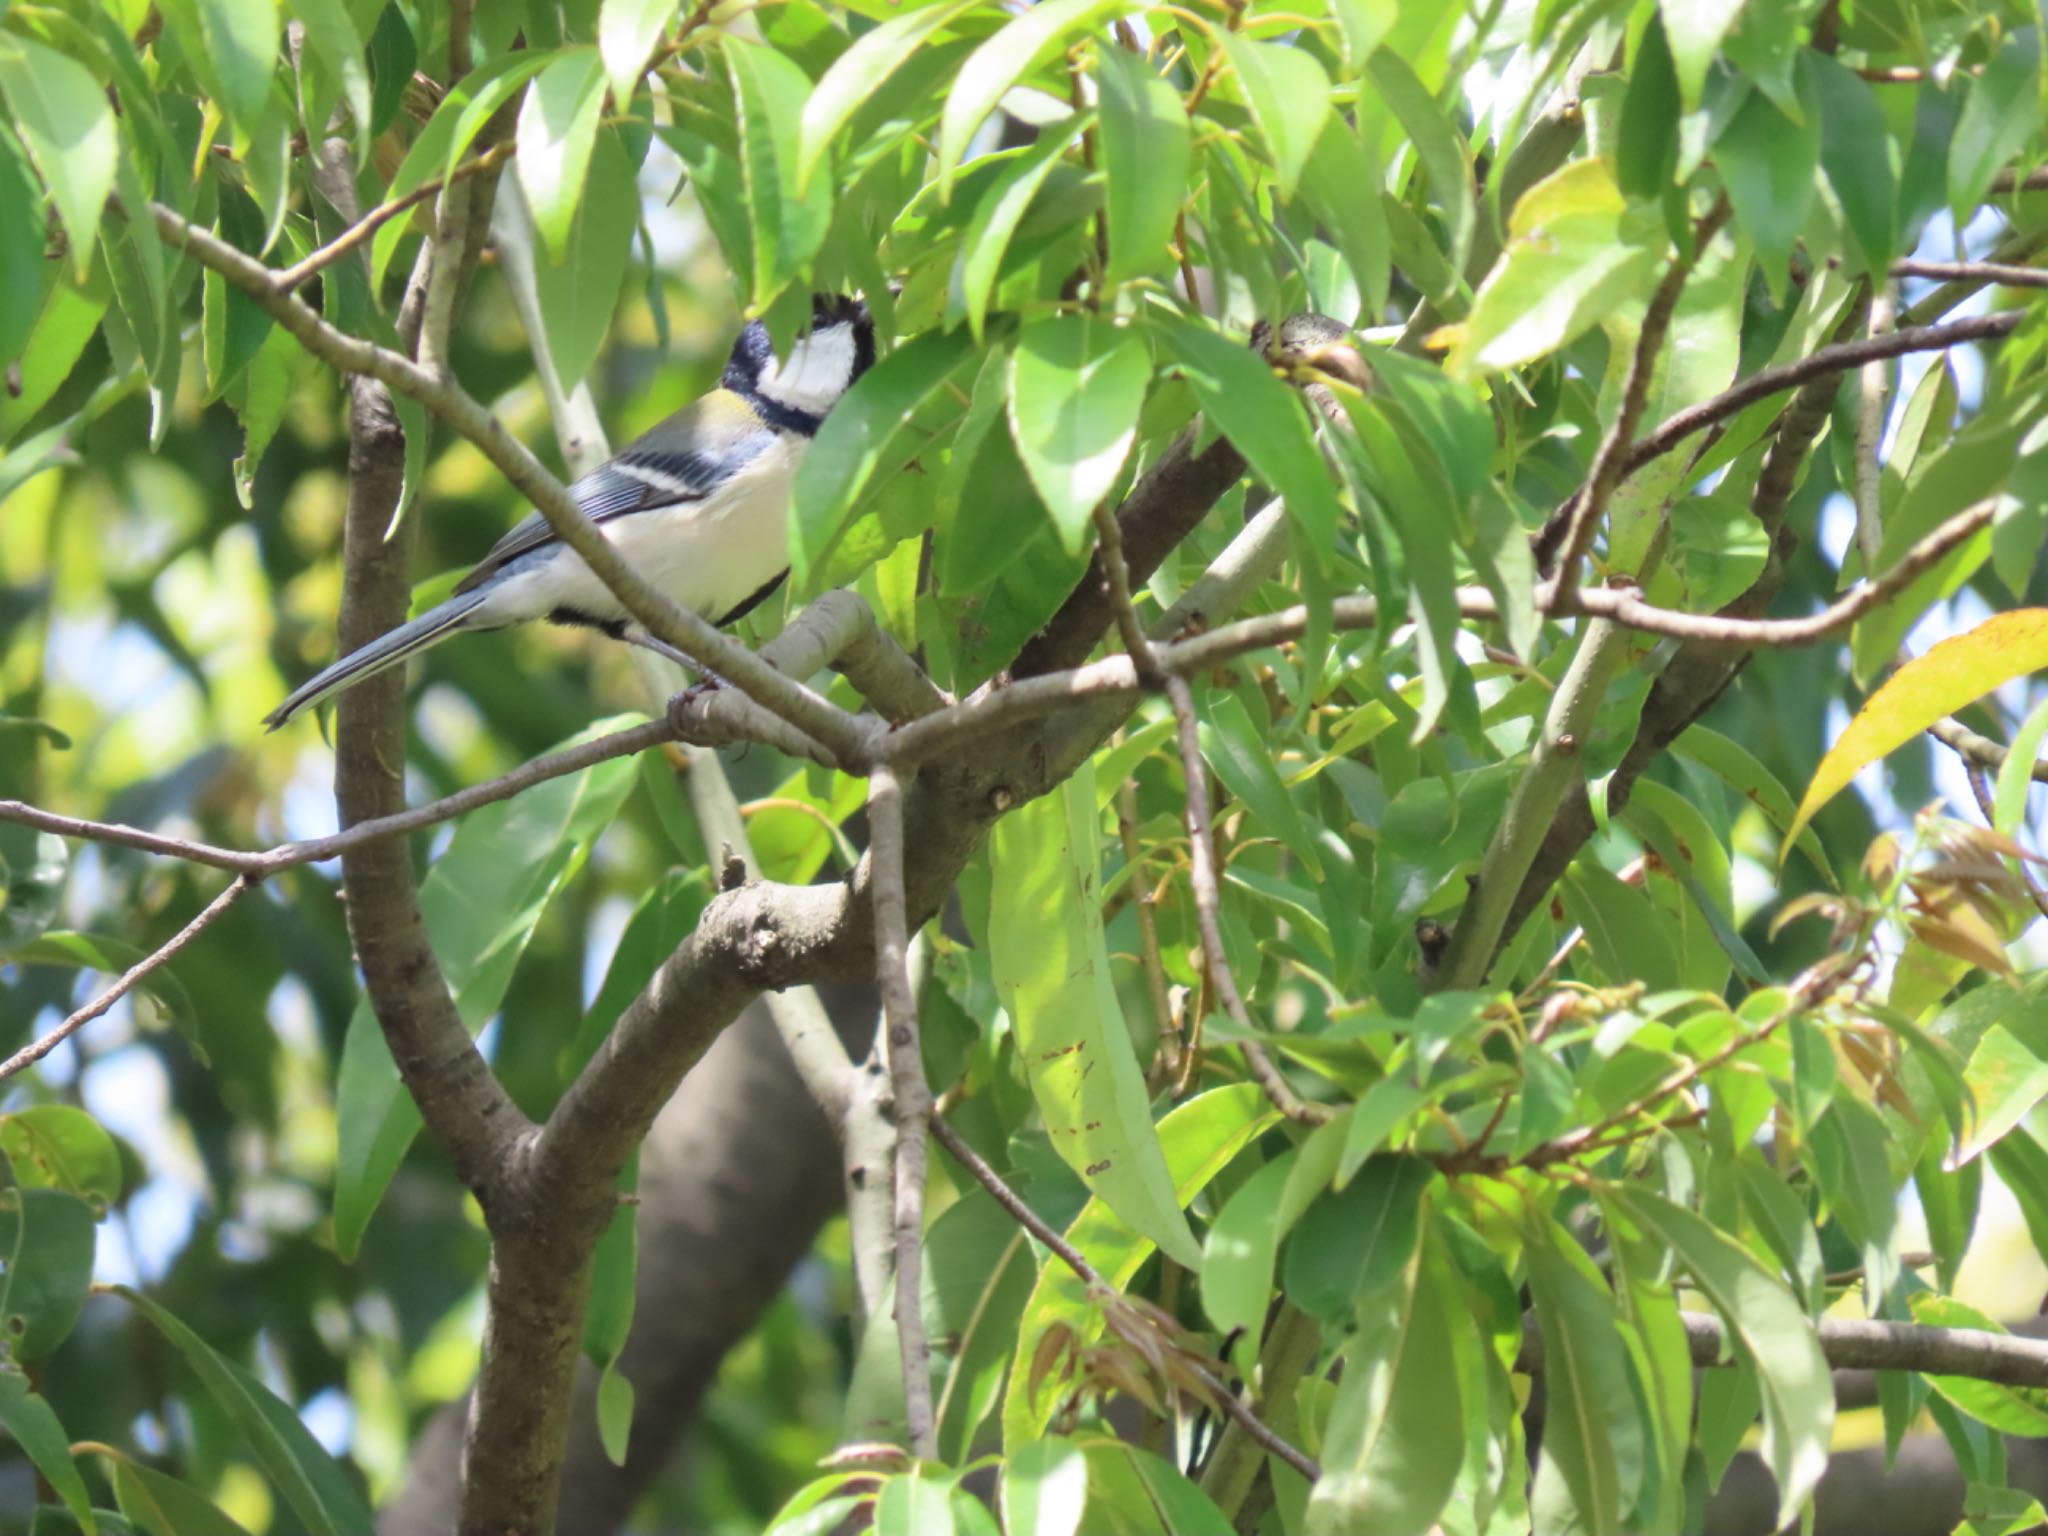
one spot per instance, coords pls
(814, 375)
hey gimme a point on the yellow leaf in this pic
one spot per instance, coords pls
(1956, 672)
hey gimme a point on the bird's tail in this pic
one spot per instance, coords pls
(387, 650)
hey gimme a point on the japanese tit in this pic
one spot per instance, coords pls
(699, 506)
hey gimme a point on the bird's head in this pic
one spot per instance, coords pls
(797, 390)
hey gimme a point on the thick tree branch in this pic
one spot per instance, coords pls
(1854, 1343)
(913, 1095)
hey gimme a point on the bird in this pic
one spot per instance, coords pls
(698, 505)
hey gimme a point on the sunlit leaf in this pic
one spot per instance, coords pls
(1077, 384)
(1955, 672)
(63, 117)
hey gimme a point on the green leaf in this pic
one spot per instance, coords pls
(1356, 1239)
(1199, 1138)
(135, 266)
(857, 74)
(1767, 161)
(1147, 150)
(997, 214)
(1241, 753)
(110, 957)
(63, 117)
(332, 38)
(1781, 1216)
(36, 1429)
(1240, 1248)
(978, 1273)
(55, 1146)
(614, 1413)
(1337, 184)
(1955, 672)
(1045, 1488)
(161, 1505)
(1647, 149)
(2005, 1081)
(788, 226)
(232, 46)
(1039, 34)
(627, 31)
(1769, 1331)
(1289, 96)
(393, 52)
(1439, 146)
(1574, 253)
(916, 1503)
(1729, 1401)
(1695, 29)
(1177, 1505)
(1362, 25)
(1265, 422)
(1998, 119)
(579, 294)
(482, 900)
(1592, 1427)
(556, 133)
(608, 1319)
(1077, 383)
(313, 1484)
(664, 918)
(1854, 145)
(22, 231)
(46, 1251)
(2016, 773)
(1051, 966)
(1395, 1439)
(2010, 1410)
(470, 103)
(864, 432)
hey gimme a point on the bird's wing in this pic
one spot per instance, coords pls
(651, 472)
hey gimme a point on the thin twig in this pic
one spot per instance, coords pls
(1148, 934)
(317, 850)
(913, 1098)
(1117, 576)
(1822, 361)
(1996, 273)
(1870, 435)
(1977, 749)
(1608, 470)
(1239, 1411)
(1202, 876)
(353, 238)
(1049, 693)
(32, 1053)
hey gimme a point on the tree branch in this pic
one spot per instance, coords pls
(913, 1097)
(1822, 362)
(1854, 1343)
(1202, 877)
(1608, 470)
(35, 1051)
